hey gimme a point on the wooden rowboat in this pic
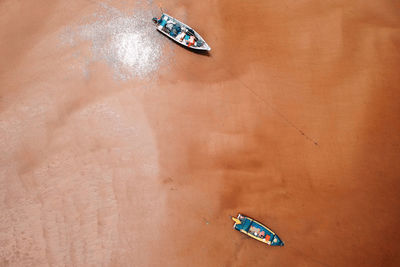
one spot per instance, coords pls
(180, 32)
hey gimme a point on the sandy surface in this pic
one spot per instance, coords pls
(111, 157)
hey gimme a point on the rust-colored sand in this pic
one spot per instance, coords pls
(293, 119)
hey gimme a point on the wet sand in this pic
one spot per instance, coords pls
(292, 119)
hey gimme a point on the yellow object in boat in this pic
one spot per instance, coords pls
(237, 221)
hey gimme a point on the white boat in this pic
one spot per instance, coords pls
(180, 32)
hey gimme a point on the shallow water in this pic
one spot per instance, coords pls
(122, 148)
(125, 40)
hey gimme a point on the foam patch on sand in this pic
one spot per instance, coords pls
(127, 41)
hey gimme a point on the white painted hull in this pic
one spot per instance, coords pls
(204, 47)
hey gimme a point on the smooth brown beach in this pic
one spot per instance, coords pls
(122, 148)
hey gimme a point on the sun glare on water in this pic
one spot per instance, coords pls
(128, 43)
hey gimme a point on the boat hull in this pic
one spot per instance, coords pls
(204, 47)
(256, 230)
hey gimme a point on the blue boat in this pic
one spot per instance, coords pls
(180, 32)
(256, 230)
